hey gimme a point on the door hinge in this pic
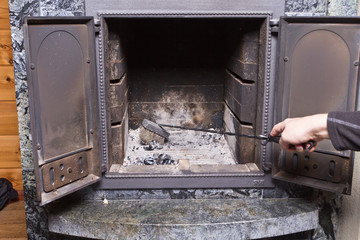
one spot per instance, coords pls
(267, 166)
(103, 168)
(274, 25)
(97, 25)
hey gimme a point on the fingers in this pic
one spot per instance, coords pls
(299, 148)
(292, 148)
(278, 129)
(296, 133)
(302, 147)
(313, 148)
(285, 145)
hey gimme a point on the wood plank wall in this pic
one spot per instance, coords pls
(10, 163)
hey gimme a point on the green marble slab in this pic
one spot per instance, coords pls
(184, 218)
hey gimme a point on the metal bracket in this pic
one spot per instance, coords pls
(64, 171)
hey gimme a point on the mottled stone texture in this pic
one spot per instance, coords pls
(330, 207)
(91, 194)
(62, 7)
(18, 10)
(321, 7)
(36, 217)
(342, 7)
(306, 6)
(184, 219)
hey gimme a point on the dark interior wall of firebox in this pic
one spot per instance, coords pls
(197, 72)
(241, 92)
(176, 70)
(117, 90)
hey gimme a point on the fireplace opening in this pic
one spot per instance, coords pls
(197, 72)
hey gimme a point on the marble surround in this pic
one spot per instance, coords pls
(37, 216)
(179, 218)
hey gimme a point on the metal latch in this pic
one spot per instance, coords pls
(97, 25)
(274, 25)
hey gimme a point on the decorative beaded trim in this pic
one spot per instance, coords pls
(102, 96)
(267, 94)
(184, 13)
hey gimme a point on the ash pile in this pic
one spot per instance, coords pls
(197, 147)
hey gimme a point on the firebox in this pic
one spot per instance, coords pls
(195, 72)
(212, 70)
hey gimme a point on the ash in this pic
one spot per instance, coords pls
(197, 147)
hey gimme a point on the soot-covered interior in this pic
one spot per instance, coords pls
(195, 72)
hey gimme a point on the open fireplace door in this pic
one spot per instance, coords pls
(318, 73)
(61, 70)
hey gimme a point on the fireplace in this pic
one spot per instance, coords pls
(91, 80)
(209, 70)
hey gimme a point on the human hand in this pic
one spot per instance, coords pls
(297, 131)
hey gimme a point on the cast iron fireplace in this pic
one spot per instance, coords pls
(205, 70)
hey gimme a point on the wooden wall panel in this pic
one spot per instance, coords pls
(13, 222)
(9, 151)
(6, 57)
(4, 14)
(8, 118)
(10, 163)
(7, 83)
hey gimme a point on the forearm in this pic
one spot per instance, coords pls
(344, 130)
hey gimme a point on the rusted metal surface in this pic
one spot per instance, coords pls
(317, 165)
(119, 135)
(62, 111)
(61, 71)
(117, 113)
(118, 100)
(64, 171)
(241, 97)
(116, 62)
(343, 188)
(117, 93)
(243, 149)
(246, 71)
